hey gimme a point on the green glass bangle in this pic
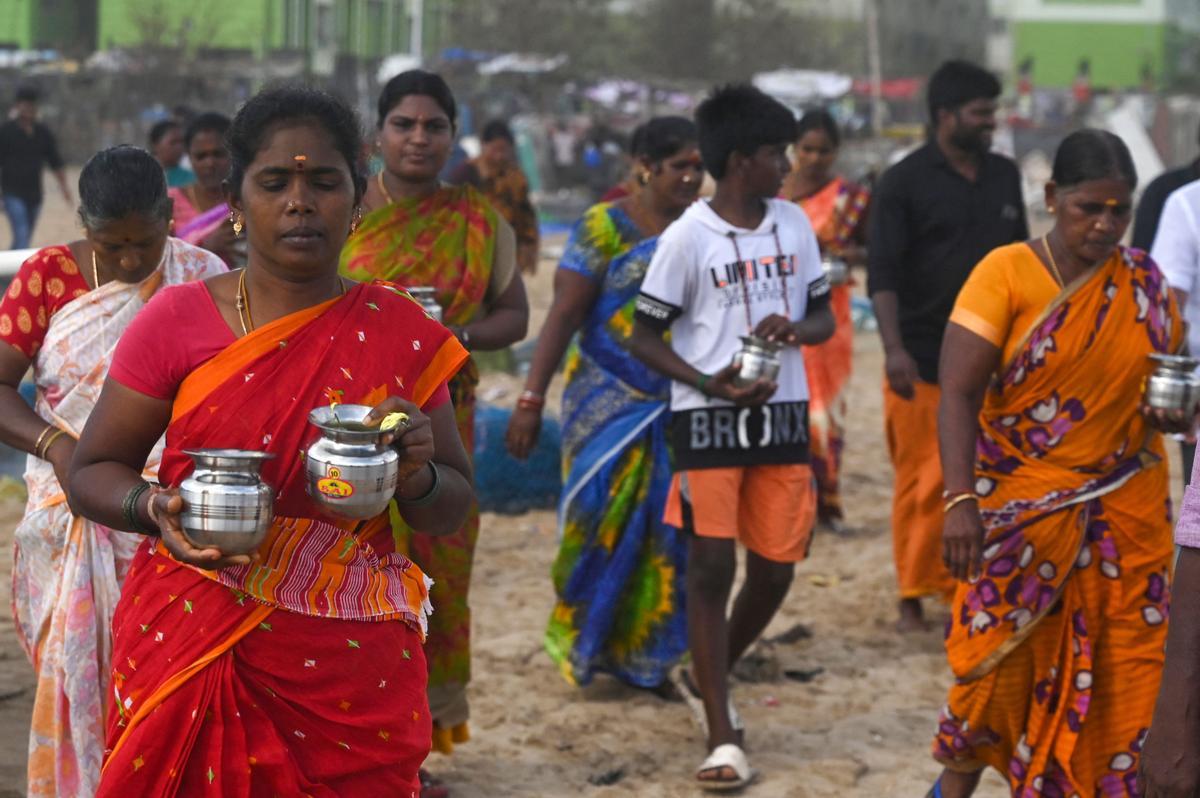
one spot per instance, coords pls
(701, 381)
(430, 495)
(129, 508)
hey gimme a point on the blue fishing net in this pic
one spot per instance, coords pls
(507, 485)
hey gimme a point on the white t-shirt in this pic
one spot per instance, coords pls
(1176, 250)
(703, 271)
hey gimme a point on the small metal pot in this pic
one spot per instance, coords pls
(351, 473)
(428, 299)
(757, 359)
(836, 269)
(226, 505)
(1173, 385)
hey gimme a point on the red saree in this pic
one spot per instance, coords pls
(290, 676)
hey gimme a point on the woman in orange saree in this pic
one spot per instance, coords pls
(1057, 506)
(297, 670)
(837, 209)
(418, 232)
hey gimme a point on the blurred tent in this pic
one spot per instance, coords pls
(894, 89)
(798, 87)
(522, 63)
(393, 65)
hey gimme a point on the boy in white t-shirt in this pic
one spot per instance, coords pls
(743, 263)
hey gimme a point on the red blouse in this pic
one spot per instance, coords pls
(47, 281)
(154, 364)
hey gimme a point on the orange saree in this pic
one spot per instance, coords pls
(302, 673)
(1058, 645)
(836, 213)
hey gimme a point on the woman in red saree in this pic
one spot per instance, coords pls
(298, 670)
(418, 232)
(1057, 506)
(837, 209)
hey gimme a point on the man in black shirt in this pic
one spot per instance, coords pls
(26, 147)
(1150, 206)
(934, 216)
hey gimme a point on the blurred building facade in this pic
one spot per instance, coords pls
(1109, 44)
(319, 31)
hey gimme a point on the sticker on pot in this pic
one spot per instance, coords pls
(333, 486)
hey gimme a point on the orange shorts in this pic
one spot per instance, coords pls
(770, 509)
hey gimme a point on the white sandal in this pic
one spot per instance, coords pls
(691, 696)
(726, 756)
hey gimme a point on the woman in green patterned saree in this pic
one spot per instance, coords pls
(418, 232)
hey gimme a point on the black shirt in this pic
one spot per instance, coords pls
(22, 158)
(929, 226)
(1154, 198)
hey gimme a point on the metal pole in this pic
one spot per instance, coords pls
(874, 66)
(417, 30)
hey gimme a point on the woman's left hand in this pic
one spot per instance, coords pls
(412, 439)
(1169, 421)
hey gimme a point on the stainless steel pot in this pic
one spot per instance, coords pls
(226, 504)
(351, 473)
(428, 299)
(836, 269)
(757, 359)
(1173, 385)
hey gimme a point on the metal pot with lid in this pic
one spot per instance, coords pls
(226, 504)
(1174, 384)
(836, 269)
(757, 359)
(427, 297)
(350, 472)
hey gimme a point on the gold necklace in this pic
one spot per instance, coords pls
(243, 305)
(1053, 266)
(383, 188)
(242, 302)
(95, 272)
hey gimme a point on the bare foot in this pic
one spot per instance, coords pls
(912, 617)
(958, 785)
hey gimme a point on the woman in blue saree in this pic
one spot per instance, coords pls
(619, 574)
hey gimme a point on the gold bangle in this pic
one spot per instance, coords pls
(37, 445)
(959, 499)
(50, 442)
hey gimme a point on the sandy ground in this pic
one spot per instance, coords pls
(861, 727)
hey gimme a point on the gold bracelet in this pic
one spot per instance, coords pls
(37, 445)
(959, 499)
(50, 442)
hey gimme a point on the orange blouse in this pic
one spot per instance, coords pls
(1004, 296)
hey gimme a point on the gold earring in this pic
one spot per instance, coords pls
(239, 224)
(643, 177)
(1051, 209)
(356, 220)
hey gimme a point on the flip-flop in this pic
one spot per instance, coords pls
(681, 677)
(431, 786)
(726, 756)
